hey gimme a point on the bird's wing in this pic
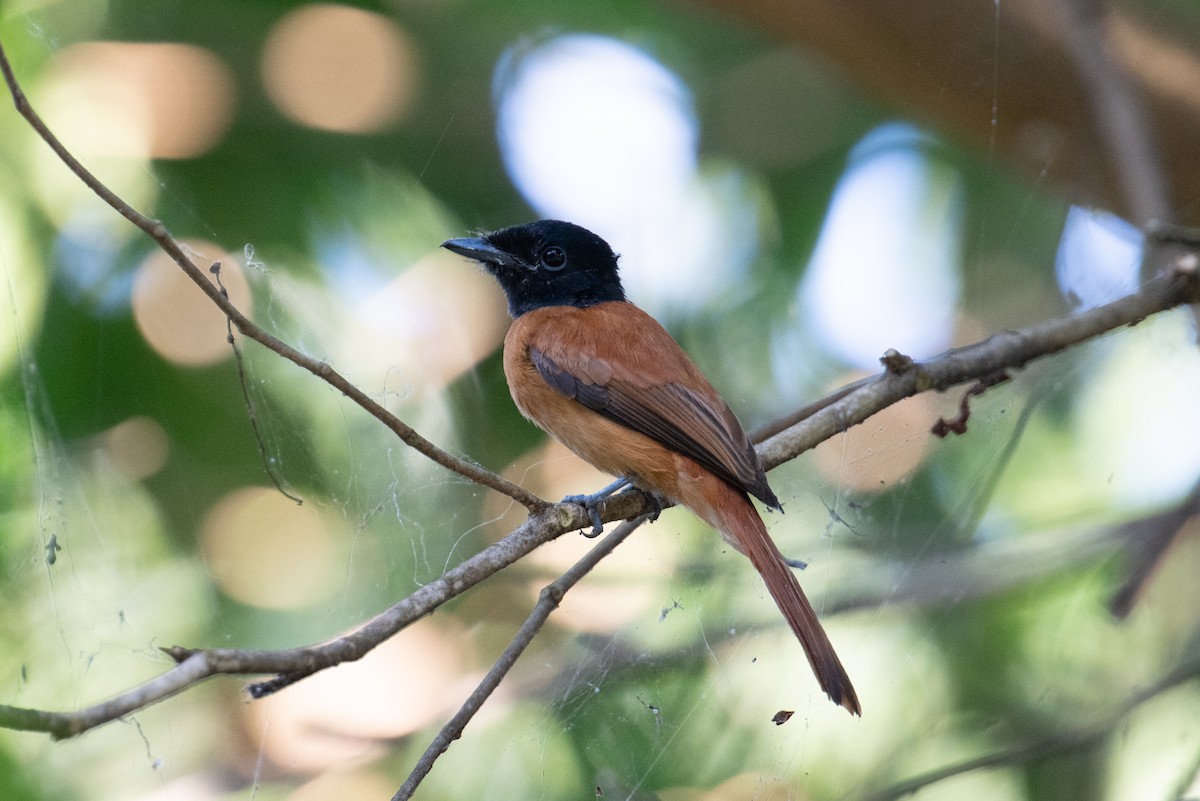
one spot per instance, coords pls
(659, 393)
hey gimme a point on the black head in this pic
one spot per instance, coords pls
(546, 263)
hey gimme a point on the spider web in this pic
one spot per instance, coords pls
(956, 591)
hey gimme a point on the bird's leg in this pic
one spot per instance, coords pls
(799, 564)
(591, 504)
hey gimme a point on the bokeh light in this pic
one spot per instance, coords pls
(93, 269)
(138, 100)
(884, 272)
(176, 319)
(116, 105)
(1137, 428)
(588, 124)
(348, 714)
(882, 451)
(339, 68)
(595, 131)
(1098, 257)
(266, 550)
(430, 324)
(624, 586)
(138, 447)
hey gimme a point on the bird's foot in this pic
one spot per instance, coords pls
(799, 564)
(656, 505)
(593, 504)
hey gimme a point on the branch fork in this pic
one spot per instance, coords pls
(1172, 262)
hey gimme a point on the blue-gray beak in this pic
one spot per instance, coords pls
(484, 252)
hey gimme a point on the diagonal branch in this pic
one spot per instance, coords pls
(548, 600)
(158, 232)
(1172, 253)
(1168, 289)
(291, 665)
(1174, 283)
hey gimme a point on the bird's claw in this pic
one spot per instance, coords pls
(592, 504)
(656, 506)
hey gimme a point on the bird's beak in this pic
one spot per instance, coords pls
(482, 251)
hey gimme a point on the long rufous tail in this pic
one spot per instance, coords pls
(740, 523)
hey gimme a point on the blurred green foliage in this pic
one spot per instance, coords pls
(1010, 644)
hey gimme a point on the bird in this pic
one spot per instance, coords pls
(606, 380)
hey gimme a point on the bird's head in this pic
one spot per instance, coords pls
(546, 263)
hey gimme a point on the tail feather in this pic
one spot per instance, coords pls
(743, 526)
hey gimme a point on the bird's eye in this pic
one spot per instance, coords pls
(554, 258)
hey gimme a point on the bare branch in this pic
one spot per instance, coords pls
(293, 664)
(61, 725)
(548, 600)
(768, 430)
(158, 232)
(1174, 284)
(251, 414)
(1173, 255)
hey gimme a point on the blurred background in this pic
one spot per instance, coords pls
(794, 189)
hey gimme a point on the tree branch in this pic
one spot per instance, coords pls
(291, 665)
(548, 600)
(1174, 284)
(158, 232)
(999, 78)
(1174, 252)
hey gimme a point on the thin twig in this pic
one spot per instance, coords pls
(944, 428)
(768, 430)
(61, 725)
(845, 408)
(548, 600)
(292, 664)
(158, 232)
(272, 473)
(1011, 349)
